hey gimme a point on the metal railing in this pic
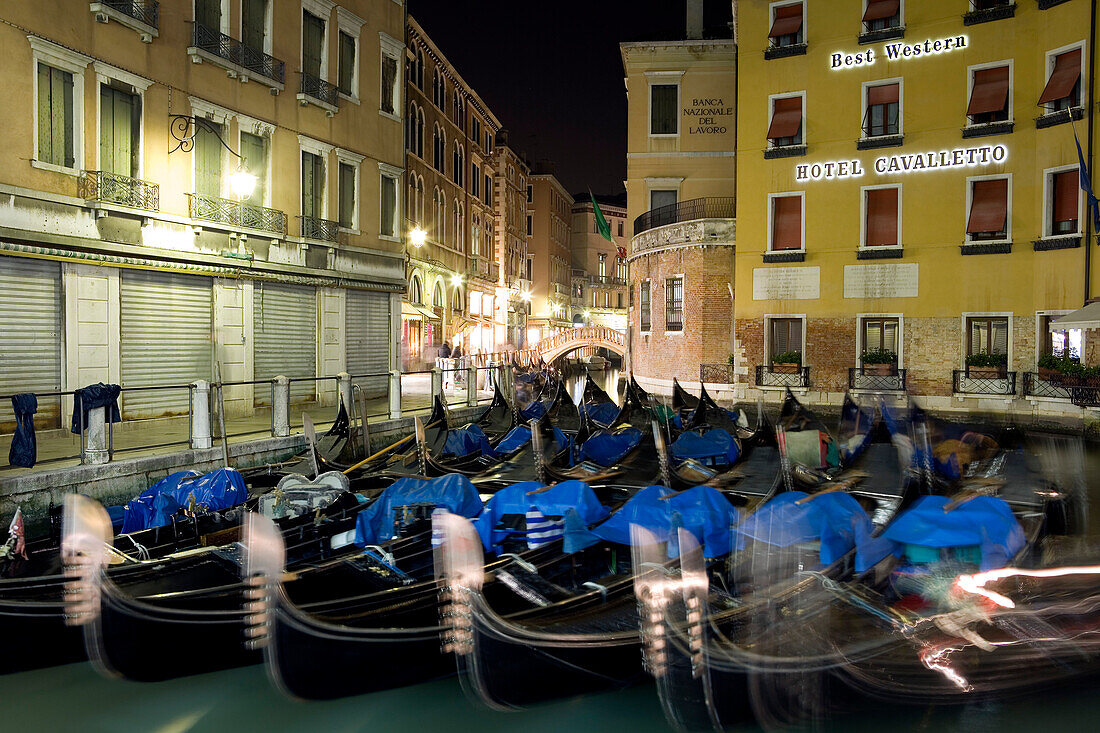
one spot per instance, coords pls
(225, 47)
(605, 280)
(319, 89)
(1035, 385)
(873, 380)
(235, 213)
(484, 268)
(314, 227)
(144, 11)
(710, 207)
(769, 375)
(975, 381)
(113, 188)
(717, 373)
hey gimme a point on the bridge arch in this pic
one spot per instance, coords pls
(572, 339)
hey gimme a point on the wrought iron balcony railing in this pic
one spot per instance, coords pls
(319, 89)
(230, 49)
(107, 187)
(1054, 388)
(606, 280)
(316, 228)
(983, 381)
(711, 207)
(143, 11)
(234, 213)
(872, 380)
(717, 373)
(776, 375)
(484, 268)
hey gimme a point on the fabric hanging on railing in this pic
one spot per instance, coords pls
(91, 397)
(24, 448)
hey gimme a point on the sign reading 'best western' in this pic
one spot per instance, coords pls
(903, 163)
(896, 52)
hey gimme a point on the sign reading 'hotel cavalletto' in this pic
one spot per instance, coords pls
(903, 163)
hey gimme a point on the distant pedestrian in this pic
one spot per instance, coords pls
(457, 352)
(445, 351)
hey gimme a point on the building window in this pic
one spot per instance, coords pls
(989, 95)
(390, 97)
(987, 335)
(439, 215)
(475, 129)
(387, 222)
(881, 220)
(881, 15)
(880, 334)
(786, 123)
(1062, 202)
(313, 45)
(988, 219)
(527, 269)
(313, 185)
(457, 300)
(784, 336)
(348, 195)
(1068, 342)
(119, 131)
(674, 304)
(207, 157)
(418, 70)
(1063, 87)
(459, 165)
(346, 69)
(785, 227)
(439, 92)
(882, 110)
(786, 29)
(643, 297)
(56, 117)
(619, 300)
(254, 24)
(437, 296)
(620, 269)
(254, 154)
(439, 149)
(663, 197)
(488, 190)
(620, 228)
(416, 295)
(528, 225)
(529, 194)
(663, 109)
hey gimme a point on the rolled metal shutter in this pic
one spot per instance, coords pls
(285, 334)
(166, 327)
(367, 334)
(30, 321)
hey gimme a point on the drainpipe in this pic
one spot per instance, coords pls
(1088, 145)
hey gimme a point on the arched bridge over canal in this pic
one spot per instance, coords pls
(572, 339)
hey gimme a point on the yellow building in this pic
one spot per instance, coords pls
(908, 194)
(599, 282)
(549, 208)
(681, 137)
(131, 249)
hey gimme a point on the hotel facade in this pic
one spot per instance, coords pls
(909, 209)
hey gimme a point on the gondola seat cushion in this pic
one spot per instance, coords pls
(701, 510)
(602, 413)
(831, 519)
(607, 449)
(453, 492)
(714, 446)
(518, 499)
(466, 440)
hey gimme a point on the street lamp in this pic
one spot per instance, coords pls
(242, 183)
(417, 237)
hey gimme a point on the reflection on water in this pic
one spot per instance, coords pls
(605, 379)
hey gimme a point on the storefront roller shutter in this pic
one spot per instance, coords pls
(30, 321)
(166, 326)
(285, 334)
(367, 329)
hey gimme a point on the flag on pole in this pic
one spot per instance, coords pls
(1086, 184)
(601, 221)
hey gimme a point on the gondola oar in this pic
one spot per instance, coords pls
(387, 449)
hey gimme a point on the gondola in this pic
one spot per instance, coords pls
(682, 400)
(597, 406)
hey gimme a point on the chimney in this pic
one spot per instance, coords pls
(694, 19)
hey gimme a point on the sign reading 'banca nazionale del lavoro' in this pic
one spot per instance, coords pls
(903, 163)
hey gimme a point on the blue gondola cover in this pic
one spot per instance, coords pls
(702, 510)
(602, 413)
(518, 499)
(466, 440)
(533, 411)
(714, 447)
(835, 519)
(607, 448)
(155, 506)
(453, 492)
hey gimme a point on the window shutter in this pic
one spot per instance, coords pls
(253, 30)
(879, 9)
(254, 160)
(786, 118)
(208, 169)
(107, 128)
(209, 14)
(312, 41)
(1067, 70)
(1066, 196)
(66, 112)
(999, 337)
(347, 195)
(389, 206)
(45, 115)
(872, 334)
(788, 20)
(786, 222)
(780, 340)
(389, 75)
(663, 109)
(990, 93)
(308, 184)
(347, 62)
(890, 335)
(882, 217)
(882, 94)
(988, 206)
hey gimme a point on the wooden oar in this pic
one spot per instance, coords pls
(838, 486)
(387, 449)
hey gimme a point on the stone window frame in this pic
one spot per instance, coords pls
(663, 78)
(768, 318)
(863, 109)
(392, 172)
(772, 99)
(771, 223)
(970, 181)
(863, 247)
(1041, 337)
(350, 24)
(642, 326)
(222, 116)
(964, 335)
(860, 317)
(1048, 186)
(266, 130)
(972, 70)
(354, 160)
(105, 74)
(390, 47)
(1049, 59)
(683, 303)
(64, 59)
(322, 149)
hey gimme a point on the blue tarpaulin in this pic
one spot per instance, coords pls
(518, 499)
(701, 510)
(24, 447)
(155, 506)
(834, 519)
(453, 492)
(466, 440)
(520, 436)
(602, 413)
(533, 411)
(607, 448)
(715, 446)
(91, 397)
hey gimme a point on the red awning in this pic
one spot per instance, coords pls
(787, 222)
(1067, 70)
(1066, 195)
(882, 94)
(788, 20)
(879, 9)
(990, 91)
(786, 118)
(988, 207)
(882, 217)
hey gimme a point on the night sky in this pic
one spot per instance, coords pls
(551, 72)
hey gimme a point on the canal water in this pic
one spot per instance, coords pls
(76, 698)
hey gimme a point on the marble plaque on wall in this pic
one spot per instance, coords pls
(881, 281)
(786, 283)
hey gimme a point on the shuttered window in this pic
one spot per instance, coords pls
(662, 109)
(988, 210)
(313, 185)
(389, 85)
(367, 328)
(209, 14)
(313, 35)
(347, 64)
(1065, 200)
(208, 158)
(989, 96)
(30, 320)
(785, 335)
(786, 28)
(285, 336)
(786, 222)
(387, 224)
(882, 217)
(882, 14)
(253, 25)
(883, 108)
(786, 124)
(643, 297)
(55, 117)
(880, 334)
(987, 336)
(347, 196)
(119, 126)
(254, 161)
(1063, 88)
(674, 304)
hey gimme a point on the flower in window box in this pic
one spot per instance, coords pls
(880, 362)
(986, 366)
(789, 362)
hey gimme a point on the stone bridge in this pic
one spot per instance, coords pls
(572, 339)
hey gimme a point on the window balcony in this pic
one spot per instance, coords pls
(869, 379)
(483, 268)
(606, 281)
(111, 188)
(721, 207)
(241, 61)
(142, 16)
(313, 90)
(1035, 385)
(995, 11)
(974, 381)
(717, 374)
(316, 228)
(235, 214)
(780, 375)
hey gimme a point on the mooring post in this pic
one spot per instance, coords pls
(280, 407)
(437, 384)
(201, 435)
(471, 385)
(95, 450)
(395, 394)
(343, 386)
